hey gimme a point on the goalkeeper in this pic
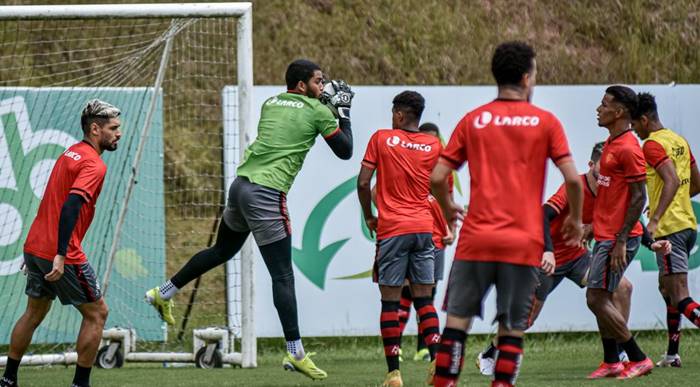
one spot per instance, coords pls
(257, 200)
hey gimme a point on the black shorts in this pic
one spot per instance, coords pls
(601, 275)
(576, 271)
(407, 256)
(78, 284)
(470, 282)
(682, 243)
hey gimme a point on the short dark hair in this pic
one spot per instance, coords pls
(646, 106)
(410, 102)
(429, 127)
(510, 61)
(624, 96)
(597, 151)
(300, 70)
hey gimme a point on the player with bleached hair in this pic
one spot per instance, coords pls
(54, 260)
(289, 124)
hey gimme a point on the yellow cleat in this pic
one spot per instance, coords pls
(431, 374)
(305, 366)
(393, 379)
(164, 307)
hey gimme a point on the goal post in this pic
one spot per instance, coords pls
(166, 66)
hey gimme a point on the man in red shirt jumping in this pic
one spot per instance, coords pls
(506, 143)
(55, 262)
(403, 158)
(617, 232)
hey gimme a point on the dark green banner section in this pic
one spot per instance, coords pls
(36, 126)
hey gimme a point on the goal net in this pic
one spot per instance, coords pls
(165, 67)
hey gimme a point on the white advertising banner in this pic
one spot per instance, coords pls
(333, 255)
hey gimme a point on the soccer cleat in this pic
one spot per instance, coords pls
(393, 379)
(670, 361)
(486, 365)
(635, 369)
(164, 307)
(607, 370)
(400, 355)
(305, 366)
(422, 355)
(431, 374)
(500, 383)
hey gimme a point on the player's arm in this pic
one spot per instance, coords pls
(340, 141)
(66, 224)
(634, 211)
(694, 177)
(337, 96)
(668, 174)
(364, 193)
(571, 228)
(441, 191)
(648, 241)
(548, 264)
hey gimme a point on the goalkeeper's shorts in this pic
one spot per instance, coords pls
(78, 284)
(258, 209)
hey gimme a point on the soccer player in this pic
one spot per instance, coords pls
(501, 240)
(670, 167)
(571, 262)
(257, 200)
(617, 232)
(403, 158)
(54, 260)
(443, 236)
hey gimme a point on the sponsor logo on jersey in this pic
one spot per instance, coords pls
(486, 118)
(604, 180)
(396, 141)
(284, 103)
(73, 155)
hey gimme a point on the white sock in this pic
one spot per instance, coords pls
(296, 348)
(167, 290)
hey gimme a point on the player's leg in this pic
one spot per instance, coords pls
(421, 275)
(673, 282)
(515, 290)
(622, 299)
(422, 351)
(233, 232)
(405, 306)
(40, 296)
(89, 337)
(468, 284)
(392, 264)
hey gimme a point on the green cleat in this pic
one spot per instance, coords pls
(306, 366)
(422, 355)
(164, 307)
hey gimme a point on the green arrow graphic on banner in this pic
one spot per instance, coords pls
(311, 259)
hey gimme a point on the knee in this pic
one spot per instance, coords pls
(34, 317)
(98, 314)
(625, 289)
(593, 301)
(286, 277)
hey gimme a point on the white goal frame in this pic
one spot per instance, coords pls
(242, 11)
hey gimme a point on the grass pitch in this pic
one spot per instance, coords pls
(550, 360)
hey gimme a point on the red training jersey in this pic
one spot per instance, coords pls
(404, 161)
(621, 163)
(564, 253)
(439, 223)
(507, 144)
(79, 170)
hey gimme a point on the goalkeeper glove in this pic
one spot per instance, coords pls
(337, 96)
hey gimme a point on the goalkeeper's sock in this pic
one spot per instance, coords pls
(429, 324)
(391, 334)
(296, 348)
(450, 357)
(82, 376)
(167, 290)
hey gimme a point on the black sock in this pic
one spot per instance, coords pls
(490, 352)
(510, 354)
(11, 369)
(610, 351)
(673, 324)
(633, 351)
(82, 376)
(391, 333)
(450, 357)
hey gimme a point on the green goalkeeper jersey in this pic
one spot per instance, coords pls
(289, 124)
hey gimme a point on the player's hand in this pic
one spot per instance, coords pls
(662, 247)
(371, 223)
(572, 230)
(337, 95)
(548, 263)
(652, 226)
(449, 238)
(454, 214)
(618, 256)
(57, 272)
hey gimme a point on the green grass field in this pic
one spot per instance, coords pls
(550, 360)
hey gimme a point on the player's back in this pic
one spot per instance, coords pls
(404, 162)
(507, 144)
